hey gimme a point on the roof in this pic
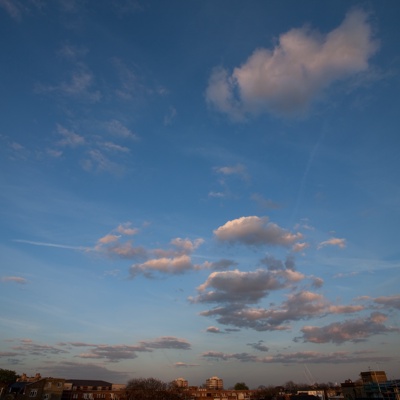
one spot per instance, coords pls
(87, 382)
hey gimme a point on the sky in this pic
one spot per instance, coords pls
(200, 188)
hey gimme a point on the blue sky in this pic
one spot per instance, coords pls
(199, 188)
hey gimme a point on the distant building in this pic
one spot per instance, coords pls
(181, 383)
(215, 383)
(373, 385)
(39, 389)
(373, 376)
(87, 389)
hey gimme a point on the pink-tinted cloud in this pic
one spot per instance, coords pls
(333, 242)
(286, 79)
(15, 279)
(255, 231)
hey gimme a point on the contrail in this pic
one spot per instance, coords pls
(306, 172)
(60, 246)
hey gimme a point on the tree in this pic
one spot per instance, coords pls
(149, 389)
(267, 392)
(8, 376)
(291, 387)
(241, 386)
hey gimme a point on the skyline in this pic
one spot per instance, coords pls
(200, 188)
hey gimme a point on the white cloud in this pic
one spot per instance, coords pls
(174, 265)
(239, 170)
(213, 329)
(286, 79)
(333, 242)
(256, 231)
(108, 239)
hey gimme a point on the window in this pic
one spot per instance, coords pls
(46, 396)
(33, 393)
(59, 384)
(75, 396)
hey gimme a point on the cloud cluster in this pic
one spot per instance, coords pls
(26, 347)
(300, 357)
(177, 259)
(114, 353)
(172, 261)
(118, 243)
(354, 330)
(241, 287)
(389, 301)
(286, 79)
(110, 353)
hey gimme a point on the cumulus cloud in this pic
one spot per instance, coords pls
(353, 330)
(389, 301)
(273, 263)
(213, 329)
(108, 239)
(114, 243)
(286, 79)
(341, 243)
(174, 265)
(112, 353)
(242, 286)
(167, 342)
(233, 309)
(255, 231)
(15, 279)
(171, 261)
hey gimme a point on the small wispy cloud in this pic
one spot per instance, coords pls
(341, 243)
(15, 279)
(238, 170)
